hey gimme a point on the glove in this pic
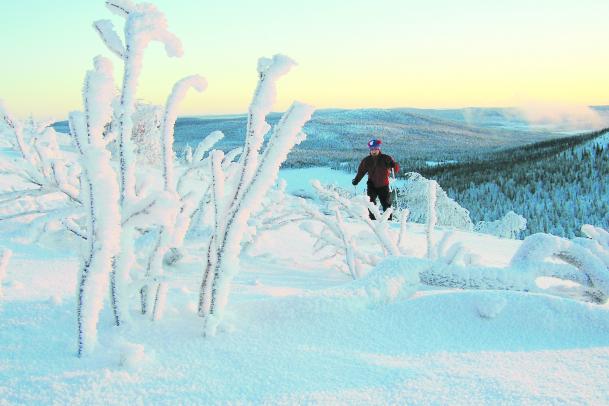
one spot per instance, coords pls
(353, 182)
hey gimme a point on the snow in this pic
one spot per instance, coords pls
(300, 331)
(286, 323)
(299, 180)
(439, 163)
(5, 256)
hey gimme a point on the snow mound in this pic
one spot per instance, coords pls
(393, 279)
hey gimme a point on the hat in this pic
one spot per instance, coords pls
(374, 144)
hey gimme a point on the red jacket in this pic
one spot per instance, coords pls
(378, 169)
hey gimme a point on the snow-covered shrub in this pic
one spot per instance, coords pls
(451, 252)
(584, 261)
(587, 260)
(146, 134)
(179, 210)
(357, 208)
(144, 23)
(194, 185)
(116, 212)
(413, 195)
(597, 242)
(509, 226)
(273, 213)
(335, 189)
(45, 178)
(234, 201)
(336, 237)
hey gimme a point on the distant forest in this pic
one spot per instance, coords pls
(557, 185)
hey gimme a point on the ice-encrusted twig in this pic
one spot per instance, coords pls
(257, 174)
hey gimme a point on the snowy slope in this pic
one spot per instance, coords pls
(303, 332)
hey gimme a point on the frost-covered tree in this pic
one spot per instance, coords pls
(413, 195)
(233, 202)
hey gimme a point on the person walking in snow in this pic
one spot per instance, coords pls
(378, 167)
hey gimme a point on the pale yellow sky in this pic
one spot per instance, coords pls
(382, 53)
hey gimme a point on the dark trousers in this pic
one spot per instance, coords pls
(383, 194)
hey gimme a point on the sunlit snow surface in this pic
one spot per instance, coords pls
(301, 332)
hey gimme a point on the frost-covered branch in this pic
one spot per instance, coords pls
(44, 170)
(536, 248)
(120, 7)
(101, 194)
(269, 71)
(197, 163)
(336, 236)
(165, 239)
(74, 228)
(257, 175)
(179, 92)
(357, 208)
(105, 29)
(403, 226)
(282, 141)
(144, 23)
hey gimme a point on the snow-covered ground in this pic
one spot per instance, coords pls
(301, 332)
(311, 309)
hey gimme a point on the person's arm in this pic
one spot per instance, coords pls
(361, 171)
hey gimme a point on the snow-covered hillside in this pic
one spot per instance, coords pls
(303, 332)
(336, 135)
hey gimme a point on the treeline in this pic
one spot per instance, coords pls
(557, 185)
